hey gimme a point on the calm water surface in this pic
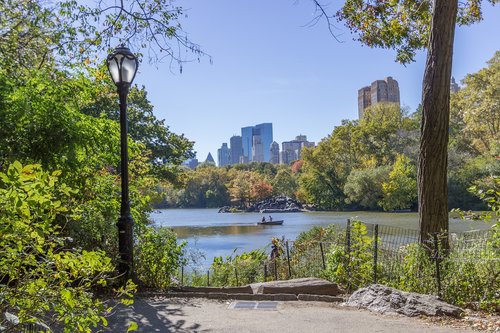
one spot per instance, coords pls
(219, 234)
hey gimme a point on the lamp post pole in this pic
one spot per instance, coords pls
(122, 65)
(125, 222)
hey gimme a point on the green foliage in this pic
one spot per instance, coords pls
(166, 148)
(379, 137)
(284, 183)
(43, 125)
(239, 270)
(364, 187)
(351, 269)
(206, 186)
(414, 270)
(400, 25)
(158, 256)
(473, 280)
(386, 131)
(305, 254)
(40, 33)
(400, 191)
(475, 112)
(42, 281)
(471, 171)
(326, 167)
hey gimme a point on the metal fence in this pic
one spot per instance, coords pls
(360, 254)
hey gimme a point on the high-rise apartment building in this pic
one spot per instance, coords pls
(454, 88)
(274, 153)
(256, 141)
(380, 91)
(290, 150)
(223, 155)
(236, 149)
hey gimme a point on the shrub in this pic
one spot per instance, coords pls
(238, 270)
(351, 269)
(158, 256)
(43, 281)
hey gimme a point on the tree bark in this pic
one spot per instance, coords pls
(433, 157)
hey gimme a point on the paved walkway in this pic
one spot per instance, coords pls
(181, 315)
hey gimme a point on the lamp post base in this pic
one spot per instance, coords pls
(126, 245)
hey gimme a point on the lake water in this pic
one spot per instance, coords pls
(221, 234)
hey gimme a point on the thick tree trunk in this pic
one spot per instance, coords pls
(433, 158)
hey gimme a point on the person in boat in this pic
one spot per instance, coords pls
(263, 219)
(270, 218)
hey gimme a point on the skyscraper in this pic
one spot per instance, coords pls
(291, 149)
(274, 151)
(257, 147)
(265, 131)
(246, 141)
(236, 149)
(263, 134)
(223, 155)
(379, 91)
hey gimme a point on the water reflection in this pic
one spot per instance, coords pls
(196, 231)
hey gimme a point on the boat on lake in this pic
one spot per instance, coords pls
(273, 222)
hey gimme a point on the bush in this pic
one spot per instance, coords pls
(158, 256)
(43, 281)
(351, 269)
(241, 269)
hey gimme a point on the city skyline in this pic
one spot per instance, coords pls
(252, 145)
(279, 71)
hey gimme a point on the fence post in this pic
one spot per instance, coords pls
(208, 278)
(182, 275)
(348, 252)
(437, 259)
(275, 269)
(236, 275)
(322, 254)
(288, 259)
(375, 252)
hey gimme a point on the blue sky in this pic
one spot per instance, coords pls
(268, 67)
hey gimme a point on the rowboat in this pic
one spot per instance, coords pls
(274, 222)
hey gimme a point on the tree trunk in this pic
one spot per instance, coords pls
(433, 158)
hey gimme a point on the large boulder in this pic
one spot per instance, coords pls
(379, 298)
(310, 286)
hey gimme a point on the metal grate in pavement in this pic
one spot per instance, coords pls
(251, 305)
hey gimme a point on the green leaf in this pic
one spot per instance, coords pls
(133, 326)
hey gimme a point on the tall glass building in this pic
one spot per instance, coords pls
(246, 141)
(263, 134)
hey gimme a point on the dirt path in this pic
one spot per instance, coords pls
(202, 315)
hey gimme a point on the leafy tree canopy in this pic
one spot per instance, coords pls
(403, 25)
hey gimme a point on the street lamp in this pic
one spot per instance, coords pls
(122, 65)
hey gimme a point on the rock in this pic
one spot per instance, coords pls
(382, 299)
(298, 286)
(286, 210)
(276, 204)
